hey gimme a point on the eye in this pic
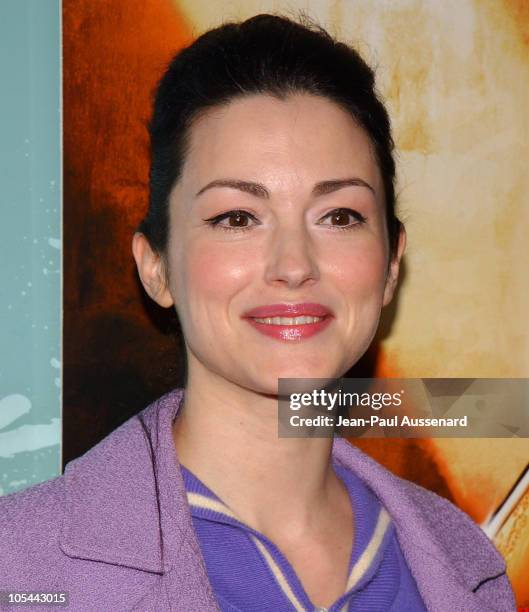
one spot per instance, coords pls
(343, 218)
(233, 220)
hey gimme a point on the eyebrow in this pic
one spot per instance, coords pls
(260, 191)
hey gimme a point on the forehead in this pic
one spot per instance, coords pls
(282, 142)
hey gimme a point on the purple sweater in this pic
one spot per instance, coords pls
(250, 574)
(115, 531)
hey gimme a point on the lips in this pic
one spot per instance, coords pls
(289, 322)
(289, 310)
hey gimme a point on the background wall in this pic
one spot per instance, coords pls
(30, 243)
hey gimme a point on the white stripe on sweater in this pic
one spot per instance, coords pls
(362, 565)
(278, 575)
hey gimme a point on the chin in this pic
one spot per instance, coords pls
(308, 369)
(269, 383)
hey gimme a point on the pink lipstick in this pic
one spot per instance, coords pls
(289, 322)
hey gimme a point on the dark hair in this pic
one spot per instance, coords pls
(266, 54)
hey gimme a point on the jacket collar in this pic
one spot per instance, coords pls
(128, 490)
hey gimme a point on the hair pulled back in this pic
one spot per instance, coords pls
(265, 54)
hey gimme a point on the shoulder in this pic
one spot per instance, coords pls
(30, 523)
(464, 546)
(445, 520)
(460, 537)
(33, 522)
(41, 501)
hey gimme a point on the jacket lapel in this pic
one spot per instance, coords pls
(126, 506)
(111, 513)
(186, 582)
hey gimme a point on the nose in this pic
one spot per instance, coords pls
(291, 258)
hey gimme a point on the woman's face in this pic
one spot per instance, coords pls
(279, 213)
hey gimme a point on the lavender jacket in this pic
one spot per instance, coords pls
(115, 531)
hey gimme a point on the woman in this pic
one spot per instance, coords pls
(272, 231)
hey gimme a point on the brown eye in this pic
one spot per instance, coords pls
(340, 217)
(238, 220)
(343, 218)
(233, 220)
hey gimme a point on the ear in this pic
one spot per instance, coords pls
(151, 270)
(394, 266)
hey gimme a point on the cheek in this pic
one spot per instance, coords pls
(211, 273)
(360, 272)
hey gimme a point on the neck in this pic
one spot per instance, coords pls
(228, 436)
